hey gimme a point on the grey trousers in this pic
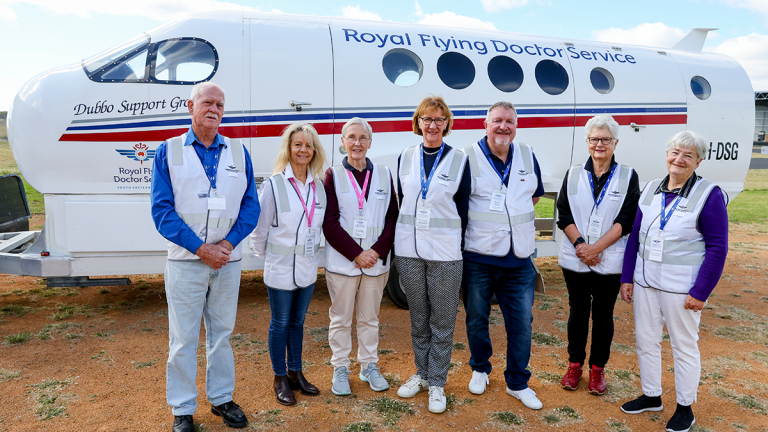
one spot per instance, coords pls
(432, 288)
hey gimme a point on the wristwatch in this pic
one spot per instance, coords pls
(578, 241)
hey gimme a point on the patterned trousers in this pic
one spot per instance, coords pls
(432, 288)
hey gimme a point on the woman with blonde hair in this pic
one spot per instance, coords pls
(287, 238)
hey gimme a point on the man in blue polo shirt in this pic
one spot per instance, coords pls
(498, 243)
(204, 203)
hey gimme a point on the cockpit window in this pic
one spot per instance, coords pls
(173, 61)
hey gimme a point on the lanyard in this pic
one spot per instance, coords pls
(665, 218)
(212, 175)
(425, 181)
(507, 165)
(309, 213)
(605, 188)
(360, 195)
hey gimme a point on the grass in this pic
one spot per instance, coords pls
(508, 418)
(559, 414)
(757, 333)
(140, 365)
(622, 349)
(18, 338)
(394, 380)
(14, 310)
(545, 208)
(760, 356)
(749, 207)
(459, 346)
(363, 426)
(617, 426)
(6, 375)
(390, 409)
(385, 351)
(546, 339)
(50, 402)
(548, 377)
(618, 390)
(560, 325)
(64, 311)
(746, 401)
(319, 334)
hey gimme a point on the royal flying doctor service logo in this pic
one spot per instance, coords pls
(140, 152)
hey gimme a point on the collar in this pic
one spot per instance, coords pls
(487, 151)
(683, 191)
(589, 166)
(348, 167)
(289, 174)
(192, 138)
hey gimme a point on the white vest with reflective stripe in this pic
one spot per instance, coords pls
(489, 232)
(285, 266)
(374, 209)
(442, 242)
(582, 203)
(684, 247)
(190, 193)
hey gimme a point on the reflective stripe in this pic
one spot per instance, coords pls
(236, 147)
(453, 173)
(678, 246)
(177, 157)
(502, 218)
(433, 222)
(405, 164)
(383, 177)
(573, 180)
(372, 231)
(526, 154)
(200, 218)
(320, 194)
(340, 172)
(675, 260)
(694, 199)
(282, 192)
(623, 180)
(651, 187)
(288, 250)
(473, 166)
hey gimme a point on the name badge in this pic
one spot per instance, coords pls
(657, 248)
(217, 203)
(497, 201)
(309, 245)
(360, 227)
(422, 218)
(595, 226)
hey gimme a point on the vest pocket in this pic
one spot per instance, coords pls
(478, 240)
(446, 247)
(278, 277)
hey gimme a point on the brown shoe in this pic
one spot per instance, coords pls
(597, 381)
(283, 392)
(297, 382)
(572, 377)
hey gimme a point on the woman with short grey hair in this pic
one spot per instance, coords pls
(674, 259)
(596, 208)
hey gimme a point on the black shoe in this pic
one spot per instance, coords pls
(682, 420)
(643, 404)
(297, 382)
(183, 424)
(283, 392)
(231, 413)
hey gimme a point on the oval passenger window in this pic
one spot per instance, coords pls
(552, 77)
(700, 87)
(402, 67)
(505, 73)
(602, 80)
(455, 70)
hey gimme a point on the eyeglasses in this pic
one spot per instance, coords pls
(605, 140)
(428, 121)
(362, 141)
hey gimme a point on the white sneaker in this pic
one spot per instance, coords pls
(527, 397)
(436, 400)
(412, 387)
(478, 382)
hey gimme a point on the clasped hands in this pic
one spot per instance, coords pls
(588, 254)
(366, 259)
(215, 255)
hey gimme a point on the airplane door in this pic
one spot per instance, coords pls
(634, 86)
(290, 62)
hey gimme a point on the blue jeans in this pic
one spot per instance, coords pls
(194, 291)
(286, 329)
(514, 291)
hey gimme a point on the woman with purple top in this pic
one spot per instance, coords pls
(675, 256)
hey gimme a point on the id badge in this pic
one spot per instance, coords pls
(595, 226)
(309, 245)
(497, 201)
(657, 248)
(217, 202)
(422, 218)
(360, 227)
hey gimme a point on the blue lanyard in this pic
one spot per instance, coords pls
(212, 175)
(507, 165)
(605, 188)
(425, 181)
(665, 218)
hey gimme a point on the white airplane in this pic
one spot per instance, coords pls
(84, 135)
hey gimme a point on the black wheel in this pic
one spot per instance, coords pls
(394, 288)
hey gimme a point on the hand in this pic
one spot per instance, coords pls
(627, 290)
(213, 255)
(694, 304)
(226, 244)
(588, 254)
(366, 259)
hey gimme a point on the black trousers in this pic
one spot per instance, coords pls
(596, 293)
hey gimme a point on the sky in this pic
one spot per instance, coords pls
(38, 35)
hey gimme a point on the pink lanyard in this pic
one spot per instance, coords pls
(360, 195)
(309, 213)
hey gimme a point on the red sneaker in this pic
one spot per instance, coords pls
(572, 377)
(597, 380)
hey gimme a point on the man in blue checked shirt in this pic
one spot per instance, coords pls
(204, 203)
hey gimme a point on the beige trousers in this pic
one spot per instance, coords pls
(347, 294)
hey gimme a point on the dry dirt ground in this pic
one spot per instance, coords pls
(92, 359)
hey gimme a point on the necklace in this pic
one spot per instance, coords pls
(430, 153)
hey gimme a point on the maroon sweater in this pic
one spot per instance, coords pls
(335, 234)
